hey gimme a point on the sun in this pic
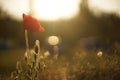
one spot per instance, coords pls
(56, 9)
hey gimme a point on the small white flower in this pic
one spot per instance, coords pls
(46, 54)
(41, 57)
(100, 53)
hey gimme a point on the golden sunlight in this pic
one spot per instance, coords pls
(56, 9)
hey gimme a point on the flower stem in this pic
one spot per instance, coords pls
(26, 39)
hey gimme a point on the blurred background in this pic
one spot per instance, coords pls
(79, 24)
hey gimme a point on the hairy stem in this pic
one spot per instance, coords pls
(26, 40)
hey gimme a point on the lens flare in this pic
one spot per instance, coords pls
(53, 40)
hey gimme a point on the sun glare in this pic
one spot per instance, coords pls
(55, 9)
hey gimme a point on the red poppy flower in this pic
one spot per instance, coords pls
(31, 24)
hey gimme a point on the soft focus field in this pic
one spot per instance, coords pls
(88, 44)
(81, 65)
(8, 60)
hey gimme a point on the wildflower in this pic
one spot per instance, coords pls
(100, 53)
(41, 57)
(46, 54)
(31, 24)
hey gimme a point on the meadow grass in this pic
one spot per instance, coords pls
(82, 65)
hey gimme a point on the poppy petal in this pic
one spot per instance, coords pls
(32, 24)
